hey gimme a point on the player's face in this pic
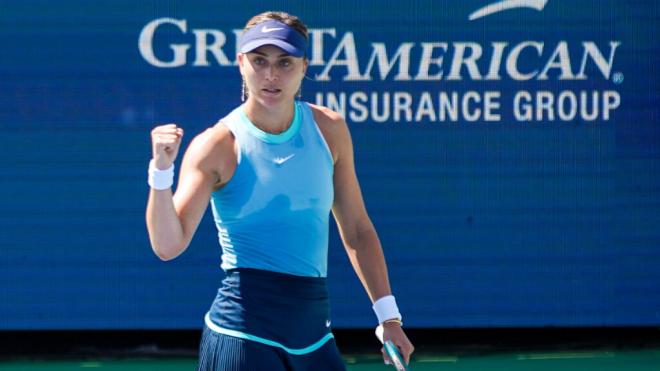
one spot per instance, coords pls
(272, 76)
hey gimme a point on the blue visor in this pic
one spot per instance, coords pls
(275, 33)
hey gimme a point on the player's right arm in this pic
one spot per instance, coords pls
(172, 219)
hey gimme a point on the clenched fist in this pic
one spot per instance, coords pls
(165, 142)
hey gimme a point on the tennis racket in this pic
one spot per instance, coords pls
(392, 351)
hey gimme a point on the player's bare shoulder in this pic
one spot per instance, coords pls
(327, 117)
(212, 151)
(333, 126)
(214, 141)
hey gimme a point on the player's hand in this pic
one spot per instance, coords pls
(165, 142)
(394, 332)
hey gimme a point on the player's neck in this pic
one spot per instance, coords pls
(271, 119)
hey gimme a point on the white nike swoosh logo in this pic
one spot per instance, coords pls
(327, 323)
(501, 6)
(266, 29)
(281, 160)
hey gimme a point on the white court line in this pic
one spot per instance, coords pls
(581, 355)
(447, 359)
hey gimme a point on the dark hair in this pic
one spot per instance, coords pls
(286, 18)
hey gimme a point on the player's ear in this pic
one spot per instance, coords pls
(240, 58)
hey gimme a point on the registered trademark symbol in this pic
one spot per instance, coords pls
(617, 78)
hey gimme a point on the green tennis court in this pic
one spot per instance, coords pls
(596, 360)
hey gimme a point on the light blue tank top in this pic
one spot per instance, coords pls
(273, 213)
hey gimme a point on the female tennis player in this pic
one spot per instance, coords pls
(272, 169)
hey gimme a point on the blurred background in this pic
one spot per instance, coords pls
(509, 159)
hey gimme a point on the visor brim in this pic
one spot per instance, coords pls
(288, 48)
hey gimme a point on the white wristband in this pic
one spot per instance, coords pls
(160, 179)
(386, 308)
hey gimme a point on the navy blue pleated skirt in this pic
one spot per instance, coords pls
(263, 320)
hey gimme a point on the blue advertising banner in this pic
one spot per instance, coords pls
(508, 153)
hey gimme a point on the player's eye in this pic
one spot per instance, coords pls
(286, 62)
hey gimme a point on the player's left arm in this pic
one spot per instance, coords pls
(355, 227)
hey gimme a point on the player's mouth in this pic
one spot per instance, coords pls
(271, 91)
